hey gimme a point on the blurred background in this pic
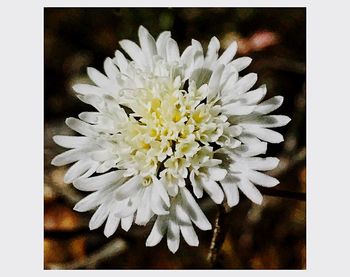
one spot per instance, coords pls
(270, 236)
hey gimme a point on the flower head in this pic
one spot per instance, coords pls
(169, 127)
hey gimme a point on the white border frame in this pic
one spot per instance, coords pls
(327, 137)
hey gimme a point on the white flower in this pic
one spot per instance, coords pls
(167, 124)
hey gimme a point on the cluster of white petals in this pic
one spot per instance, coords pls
(167, 128)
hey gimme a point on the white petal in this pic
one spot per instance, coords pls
(121, 61)
(234, 131)
(158, 186)
(269, 105)
(99, 182)
(148, 44)
(71, 141)
(80, 126)
(215, 78)
(99, 79)
(241, 63)
(180, 214)
(127, 222)
(189, 235)
(111, 225)
(231, 190)
(90, 117)
(267, 121)
(89, 202)
(214, 81)
(194, 211)
(172, 50)
(161, 43)
(212, 53)
(245, 83)
(197, 189)
(241, 86)
(187, 57)
(157, 232)
(265, 134)
(99, 217)
(213, 189)
(254, 96)
(110, 69)
(134, 51)
(173, 235)
(228, 54)
(237, 109)
(201, 76)
(68, 157)
(262, 163)
(217, 173)
(130, 205)
(76, 170)
(262, 179)
(157, 205)
(144, 212)
(252, 146)
(86, 89)
(250, 191)
(129, 188)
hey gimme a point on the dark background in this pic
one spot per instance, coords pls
(270, 236)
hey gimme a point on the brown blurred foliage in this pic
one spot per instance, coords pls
(270, 236)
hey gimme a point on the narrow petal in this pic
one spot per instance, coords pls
(250, 191)
(76, 170)
(262, 163)
(172, 50)
(197, 189)
(267, 121)
(252, 146)
(237, 109)
(144, 212)
(213, 189)
(214, 82)
(129, 188)
(194, 211)
(99, 182)
(71, 141)
(148, 44)
(98, 78)
(217, 173)
(262, 179)
(254, 96)
(269, 105)
(121, 61)
(86, 89)
(265, 134)
(160, 189)
(157, 232)
(111, 225)
(161, 43)
(99, 217)
(231, 190)
(68, 157)
(127, 222)
(189, 235)
(181, 214)
(110, 69)
(228, 54)
(134, 51)
(241, 63)
(173, 235)
(80, 126)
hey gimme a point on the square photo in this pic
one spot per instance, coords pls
(174, 138)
